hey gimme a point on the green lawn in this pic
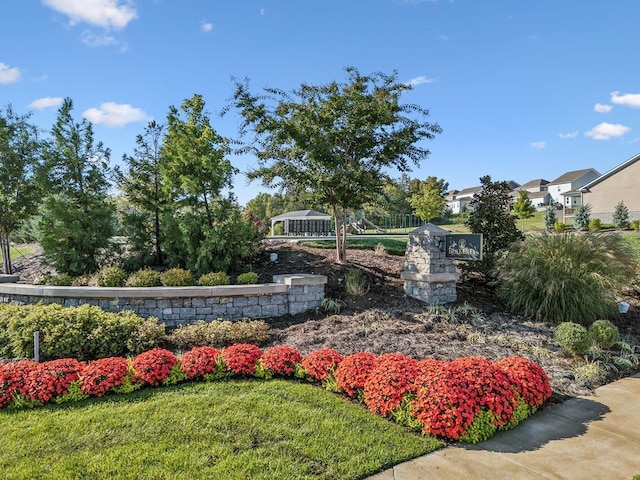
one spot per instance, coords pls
(17, 252)
(232, 430)
(394, 246)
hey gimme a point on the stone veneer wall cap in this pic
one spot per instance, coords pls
(300, 279)
(427, 229)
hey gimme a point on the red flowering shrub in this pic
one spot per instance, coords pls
(426, 369)
(281, 360)
(12, 379)
(102, 375)
(241, 358)
(199, 361)
(444, 404)
(153, 367)
(48, 379)
(529, 379)
(320, 363)
(353, 371)
(393, 376)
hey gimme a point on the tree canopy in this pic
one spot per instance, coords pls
(429, 202)
(333, 143)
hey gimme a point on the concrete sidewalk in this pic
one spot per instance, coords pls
(595, 437)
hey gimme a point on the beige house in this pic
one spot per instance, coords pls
(620, 184)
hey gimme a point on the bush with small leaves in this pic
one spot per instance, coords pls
(111, 277)
(153, 367)
(144, 278)
(213, 279)
(60, 280)
(200, 361)
(101, 376)
(280, 361)
(353, 371)
(635, 225)
(573, 337)
(241, 358)
(248, 278)
(320, 363)
(393, 376)
(604, 333)
(145, 336)
(176, 277)
(559, 227)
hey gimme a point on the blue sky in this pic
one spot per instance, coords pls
(522, 89)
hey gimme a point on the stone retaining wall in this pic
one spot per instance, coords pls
(289, 294)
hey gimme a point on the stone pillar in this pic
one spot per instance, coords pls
(428, 275)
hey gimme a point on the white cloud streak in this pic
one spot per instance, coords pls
(538, 145)
(8, 74)
(602, 108)
(628, 99)
(92, 40)
(566, 136)
(419, 81)
(107, 14)
(115, 114)
(46, 102)
(607, 131)
(206, 26)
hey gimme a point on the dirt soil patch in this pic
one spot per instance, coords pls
(384, 320)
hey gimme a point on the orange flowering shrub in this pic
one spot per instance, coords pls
(353, 371)
(281, 360)
(393, 376)
(200, 361)
(48, 379)
(12, 379)
(529, 379)
(241, 358)
(320, 363)
(153, 367)
(100, 376)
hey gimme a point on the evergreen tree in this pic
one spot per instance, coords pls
(490, 215)
(549, 217)
(582, 217)
(145, 195)
(621, 216)
(77, 219)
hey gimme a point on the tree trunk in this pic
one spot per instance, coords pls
(343, 256)
(6, 254)
(338, 234)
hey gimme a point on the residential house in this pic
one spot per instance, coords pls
(570, 181)
(534, 186)
(538, 199)
(458, 200)
(620, 184)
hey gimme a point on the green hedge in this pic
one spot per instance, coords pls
(84, 332)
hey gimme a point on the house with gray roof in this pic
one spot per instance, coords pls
(570, 182)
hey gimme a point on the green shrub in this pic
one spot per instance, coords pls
(635, 224)
(595, 225)
(559, 226)
(549, 218)
(332, 306)
(176, 277)
(219, 333)
(144, 278)
(248, 278)
(604, 333)
(565, 277)
(83, 332)
(214, 278)
(573, 337)
(111, 277)
(356, 282)
(591, 374)
(582, 217)
(146, 336)
(59, 280)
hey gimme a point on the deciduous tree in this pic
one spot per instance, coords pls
(333, 143)
(523, 207)
(19, 164)
(429, 202)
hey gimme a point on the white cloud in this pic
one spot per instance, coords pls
(46, 102)
(206, 26)
(565, 136)
(539, 145)
(8, 74)
(606, 131)
(263, 11)
(602, 108)
(93, 40)
(629, 99)
(419, 81)
(108, 14)
(115, 114)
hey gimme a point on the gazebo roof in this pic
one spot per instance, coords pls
(302, 215)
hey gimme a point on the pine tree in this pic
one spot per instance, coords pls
(549, 217)
(582, 217)
(620, 217)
